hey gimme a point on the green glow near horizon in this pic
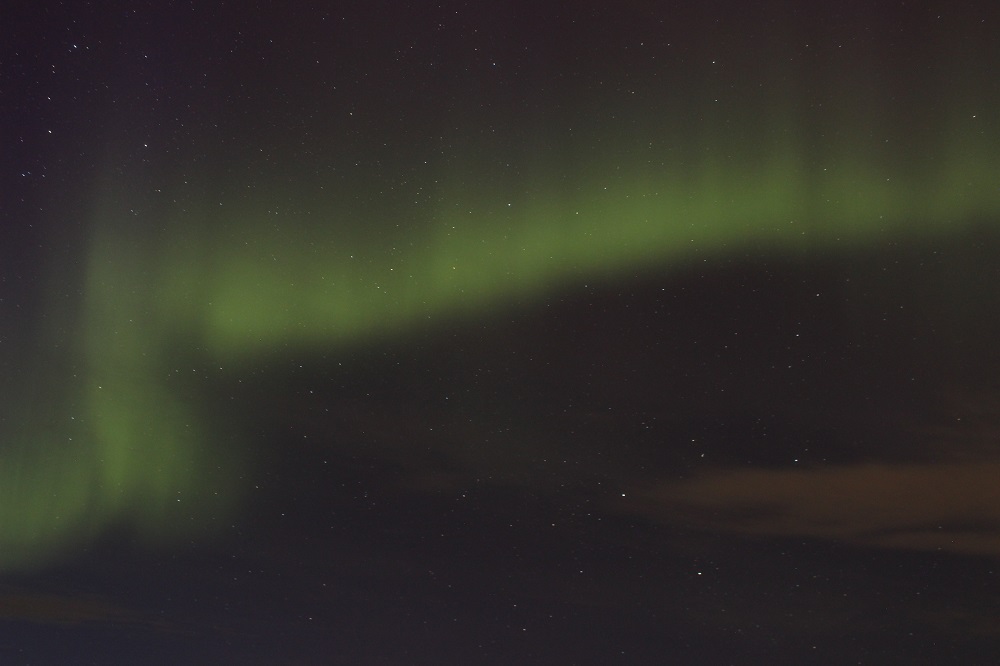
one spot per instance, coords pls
(126, 447)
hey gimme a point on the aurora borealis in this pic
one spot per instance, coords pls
(227, 204)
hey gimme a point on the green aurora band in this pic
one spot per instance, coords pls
(119, 441)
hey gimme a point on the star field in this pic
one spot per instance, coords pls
(633, 330)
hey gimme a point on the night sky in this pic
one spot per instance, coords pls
(549, 332)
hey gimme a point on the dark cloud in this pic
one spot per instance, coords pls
(60, 609)
(947, 506)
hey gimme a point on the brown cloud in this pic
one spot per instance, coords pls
(57, 609)
(44, 608)
(953, 506)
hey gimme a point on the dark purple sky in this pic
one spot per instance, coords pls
(687, 354)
